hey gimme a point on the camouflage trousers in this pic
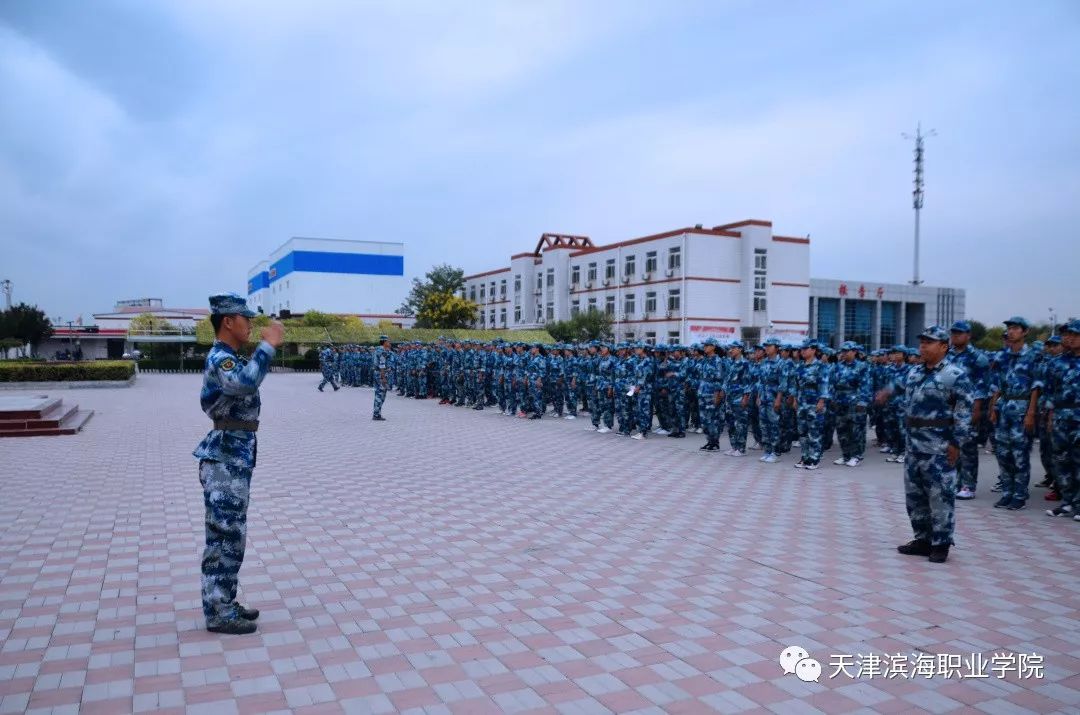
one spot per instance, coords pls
(1046, 443)
(570, 398)
(711, 416)
(828, 429)
(930, 494)
(811, 424)
(680, 408)
(602, 406)
(328, 376)
(643, 410)
(623, 408)
(754, 416)
(536, 397)
(738, 422)
(1066, 441)
(380, 397)
(789, 428)
(1012, 447)
(770, 426)
(851, 430)
(225, 495)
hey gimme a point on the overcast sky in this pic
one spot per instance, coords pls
(162, 148)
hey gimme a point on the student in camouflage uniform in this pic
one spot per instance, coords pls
(382, 363)
(1013, 409)
(770, 386)
(230, 397)
(328, 365)
(1063, 420)
(738, 385)
(644, 372)
(977, 367)
(850, 397)
(810, 394)
(937, 412)
(710, 394)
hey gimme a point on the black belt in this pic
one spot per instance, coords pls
(1017, 397)
(918, 422)
(1066, 405)
(237, 425)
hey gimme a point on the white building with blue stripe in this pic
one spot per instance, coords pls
(362, 278)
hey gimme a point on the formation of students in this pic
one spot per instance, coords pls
(775, 396)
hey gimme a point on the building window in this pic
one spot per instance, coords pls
(472, 293)
(551, 278)
(517, 314)
(550, 311)
(889, 328)
(673, 336)
(539, 312)
(481, 292)
(858, 321)
(502, 290)
(575, 275)
(517, 283)
(491, 322)
(650, 338)
(592, 304)
(760, 258)
(629, 335)
(609, 269)
(674, 258)
(502, 317)
(481, 318)
(650, 262)
(539, 282)
(609, 305)
(491, 291)
(674, 300)
(827, 314)
(630, 265)
(628, 304)
(650, 302)
(575, 307)
(591, 276)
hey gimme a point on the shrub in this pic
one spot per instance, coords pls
(66, 372)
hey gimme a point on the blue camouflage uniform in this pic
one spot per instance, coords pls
(771, 384)
(602, 401)
(851, 385)
(810, 385)
(328, 366)
(937, 413)
(1063, 406)
(230, 397)
(1015, 380)
(709, 392)
(382, 364)
(644, 371)
(738, 385)
(976, 365)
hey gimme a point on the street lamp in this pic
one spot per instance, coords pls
(1053, 321)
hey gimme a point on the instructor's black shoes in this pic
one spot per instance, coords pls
(917, 547)
(235, 627)
(248, 614)
(939, 554)
(379, 418)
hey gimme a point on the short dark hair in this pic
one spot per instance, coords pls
(215, 320)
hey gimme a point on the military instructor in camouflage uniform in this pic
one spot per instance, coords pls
(230, 397)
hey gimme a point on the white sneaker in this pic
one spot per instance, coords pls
(1076, 518)
(700, 430)
(591, 428)
(839, 460)
(965, 493)
(570, 417)
(755, 446)
(810, 466)
(770, 459)
(738, 453)
(764, 457)
(637, 435)
(603, 430)
(854, 462)
(885, 450)
(661, 431)
(900, 458)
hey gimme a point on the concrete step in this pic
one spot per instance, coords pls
(14, 408)
(72, 421)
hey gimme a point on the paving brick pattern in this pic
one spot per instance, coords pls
(451, 561)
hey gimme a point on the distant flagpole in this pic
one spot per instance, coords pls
(917, 194)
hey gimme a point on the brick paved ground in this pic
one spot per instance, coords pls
(464, 562)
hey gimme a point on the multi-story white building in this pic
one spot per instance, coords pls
(879, 315)
(737, 280)
(363, 278)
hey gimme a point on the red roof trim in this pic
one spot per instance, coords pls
(658, 236)
(522, 255)
(486, 273)
(790, 285)
(747, 222)
(789, 239)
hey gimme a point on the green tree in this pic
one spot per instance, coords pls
(27, 323)
(148, 322)
(440, 279)
(445, 310)
(978, 331)
(590, 325)
(315, 319)
(992, 339)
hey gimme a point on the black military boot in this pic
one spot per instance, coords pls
(248, 614)
(916, 547)
(234, 627)
(939, 554)
(379, 418)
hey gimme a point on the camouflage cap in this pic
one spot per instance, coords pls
(230, 304)
(1073, 326)
(961, 326)
(1018, 320)
(736, 344)
(771, 341)
(935, 332)
(712, 341)
(849, 345)
(1038, 345)
(383, 339)
(1054, 340)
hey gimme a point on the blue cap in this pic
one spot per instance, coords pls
(772, 341)
(898, 349)
(1017, 320)
(849, 345)
(808, 343)
(383, 339)
(737, 344)
(1038, 345)
(935, 332)
(961, 326)
(230, 304)
(712, 341)
(1073, 326)
(1054, 340)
